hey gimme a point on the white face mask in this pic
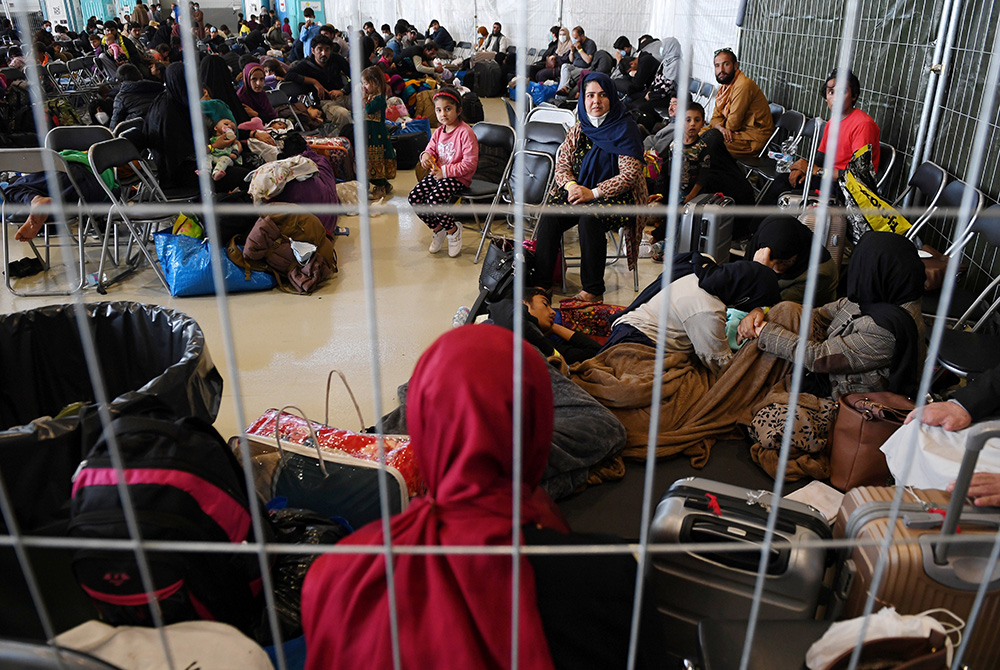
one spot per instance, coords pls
(596, 121)
(562, 38)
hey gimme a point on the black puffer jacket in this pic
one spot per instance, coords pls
(134, 99)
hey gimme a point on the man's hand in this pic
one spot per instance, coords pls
(984, 489)
(763, 256)
(321, 92)
(336, 95)
(948, 415)
(727, 134)
(751, 324)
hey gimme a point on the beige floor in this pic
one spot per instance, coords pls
(284, 345)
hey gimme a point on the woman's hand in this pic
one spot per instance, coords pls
(763, 256)
(251, 112)
(751, 324)
(263, 137)
(578, 195)
(654, 198)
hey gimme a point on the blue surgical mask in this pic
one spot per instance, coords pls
(623, 52)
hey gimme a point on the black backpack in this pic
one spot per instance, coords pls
(488, 79)
(472, 109)
(185, 485)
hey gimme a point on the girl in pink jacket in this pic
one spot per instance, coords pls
(452, 156)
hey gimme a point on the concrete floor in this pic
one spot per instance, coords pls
(284, 345)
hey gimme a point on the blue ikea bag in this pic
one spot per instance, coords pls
(187, 265)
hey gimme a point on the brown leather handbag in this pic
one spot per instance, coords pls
(864, 422)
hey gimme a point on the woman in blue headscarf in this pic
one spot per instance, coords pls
(599, 165)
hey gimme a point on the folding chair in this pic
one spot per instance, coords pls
(776, 112)
(543, 136)
(81, 71)
(278, 97)
(24, 161)
(929, 180)
(12, 74)
(113, 154)
(76, 138)
(539, 171)
(295, 91)
(511, 114)
(887, 164)
(499, 138)
(967, 350)
(550, 114)
(789, 126)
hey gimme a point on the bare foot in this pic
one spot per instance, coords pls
(583, 296)
(35, 220)
(219, 175)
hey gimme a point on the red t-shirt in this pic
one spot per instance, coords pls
(856, 130)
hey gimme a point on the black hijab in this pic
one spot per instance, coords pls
(786, 236)
(218, 79)
(743, 284)
(168, 130)
(161, 36)
(886, 272)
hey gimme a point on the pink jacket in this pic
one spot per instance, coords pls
(456, 152)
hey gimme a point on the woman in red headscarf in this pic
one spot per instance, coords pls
(454, 611)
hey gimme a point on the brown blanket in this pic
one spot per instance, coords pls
(696, 409)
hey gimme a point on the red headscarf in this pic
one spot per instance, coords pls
(454, 611)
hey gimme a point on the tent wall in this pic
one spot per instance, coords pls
(789, 51)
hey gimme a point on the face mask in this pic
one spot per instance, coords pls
(623, 52)
(596, 121)
(576, 41)
(48, 29)
(562, 38)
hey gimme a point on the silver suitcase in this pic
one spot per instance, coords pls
(687, 587)
(707, 227)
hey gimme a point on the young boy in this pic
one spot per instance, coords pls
(539, 324)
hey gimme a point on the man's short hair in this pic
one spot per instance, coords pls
(367, 24)
(696, 107)
(531, 291)
(307, 12)
(129, 72)
(246, 59)
(430, 45)
(133, 25)
(385, 27)
(328, 28)
(434, 22)
(321, 40)
(579, 29)
(110, 24)
(852, 81)
(622, 42)
(645, 39)
(223, 48)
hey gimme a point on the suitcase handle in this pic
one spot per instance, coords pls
(978, 436)
(312, 434)
(715, 530)
(326, 417)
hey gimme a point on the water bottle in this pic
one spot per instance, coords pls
(786, 157)
(461, 316)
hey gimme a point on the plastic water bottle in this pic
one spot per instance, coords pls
(786, 157)
(461, 316)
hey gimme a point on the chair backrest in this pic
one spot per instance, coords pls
(887, 161)
(951, 198)
(12, 74)
(566, 117)
(76, 138)
(464, 45)
(812, 131)
(78, 64)
(695, 87)
(544, 137)
(294, 89)
(112, 153)
(776, 112)
(707, 90)
(790, 125)
(276, 97)
(511, 114)
(987, 225)
(512, 49)
(531, 52)
(57, 68)
(930, 180)
(495, 135)
(539, 170)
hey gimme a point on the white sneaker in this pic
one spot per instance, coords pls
(455, 242)
(437, 241)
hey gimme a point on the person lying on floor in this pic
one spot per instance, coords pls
(574, 611)
(33, 189)
(539, 324)
(783, 243)
(977, 401)
(700, 293)
(872, 339)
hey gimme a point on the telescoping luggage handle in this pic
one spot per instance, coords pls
(978, 436)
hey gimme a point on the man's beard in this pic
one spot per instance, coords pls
(726, 78)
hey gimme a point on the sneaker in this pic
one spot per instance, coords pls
(437, 241)
(455, 242)
(656, 252)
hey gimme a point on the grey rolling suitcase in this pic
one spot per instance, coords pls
(707, 227)
(689, 587)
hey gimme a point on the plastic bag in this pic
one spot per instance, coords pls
(416, 126)
(187, 265)
(298, 526)
(540, 92)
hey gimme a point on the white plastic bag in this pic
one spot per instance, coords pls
(938, 457)
(886, 623)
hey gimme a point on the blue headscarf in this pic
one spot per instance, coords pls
(617, 135)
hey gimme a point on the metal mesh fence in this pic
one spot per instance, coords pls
(902, 44)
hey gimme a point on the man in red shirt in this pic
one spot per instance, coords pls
(856, 130)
